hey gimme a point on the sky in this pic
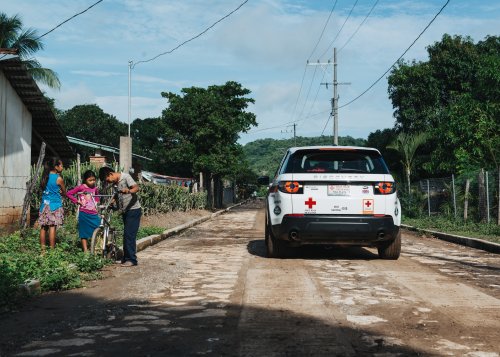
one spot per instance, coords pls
(265, 46)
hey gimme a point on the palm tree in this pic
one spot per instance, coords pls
(13, 35)
(407, 145)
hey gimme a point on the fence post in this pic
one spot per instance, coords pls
(466, 199)
(487, 200)
(78, 182)
(454, 200)
(428, 198)
(31, 187)
(482, 213)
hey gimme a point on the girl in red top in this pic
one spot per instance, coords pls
(88, 218)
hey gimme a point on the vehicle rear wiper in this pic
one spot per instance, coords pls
(351, 170)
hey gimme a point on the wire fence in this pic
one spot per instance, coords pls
(471, 196)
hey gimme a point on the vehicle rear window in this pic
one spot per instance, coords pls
(325, 161)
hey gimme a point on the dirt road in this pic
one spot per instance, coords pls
(212, 292)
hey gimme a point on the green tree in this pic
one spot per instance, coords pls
(407, 145)
(13, 35)
(202, 127)
(91, 123)
(454, 97)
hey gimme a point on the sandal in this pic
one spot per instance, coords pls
(128, 264)
(119, 262)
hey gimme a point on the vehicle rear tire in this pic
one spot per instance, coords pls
(266, 230)
(392, 250)
(97, 241)
(276, 248)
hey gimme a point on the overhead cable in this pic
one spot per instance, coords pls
(382, 76)
(287, 124)
(326, 125)
(309, 91)
(314, 101)
(305, 69)
(46, 33)
(358, 28)
(338, 33)
(191, 39)
(331, 12)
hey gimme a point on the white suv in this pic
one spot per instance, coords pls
(329, 195)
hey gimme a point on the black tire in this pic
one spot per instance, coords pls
(97, 240)
(276, 248)
(392, 250)
(266, 230)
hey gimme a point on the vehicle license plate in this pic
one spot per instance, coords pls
(339, 190)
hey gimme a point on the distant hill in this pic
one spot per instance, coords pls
(264, 155)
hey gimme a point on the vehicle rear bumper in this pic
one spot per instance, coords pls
(336, 229)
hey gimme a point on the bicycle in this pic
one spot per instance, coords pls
(104, 237)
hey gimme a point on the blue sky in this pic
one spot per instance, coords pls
(264, 46)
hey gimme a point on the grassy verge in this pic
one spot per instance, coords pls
(459, 227)
(62, 268)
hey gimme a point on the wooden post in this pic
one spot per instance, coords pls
(234, 190)
(482, 201)
(31, 186)
(201, 181)
(466, 200)
(78, 182)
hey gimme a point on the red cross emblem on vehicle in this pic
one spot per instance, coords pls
(368, 204)
(310, 203)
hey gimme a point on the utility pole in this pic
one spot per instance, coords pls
(129, 99)
(335, 99)
(294, 134)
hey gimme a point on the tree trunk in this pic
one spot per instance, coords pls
(482, 200)
(408, 175)
(212, 198)
(498, 194)
(201, 181)
(466, 200)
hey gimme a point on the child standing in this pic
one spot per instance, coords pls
(51, 210)
(130, 208)
(88, 218)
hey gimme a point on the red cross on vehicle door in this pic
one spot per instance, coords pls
(310, 203)
(368, 206)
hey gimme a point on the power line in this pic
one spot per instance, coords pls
(191, 39)
(359, 96)
(326, 125)
(308, 92)
(282, 125)
(331, 12)
(305, 69)
(298, 96)
(358, 27)
(338, 33)
(314, 101)
(46, 33)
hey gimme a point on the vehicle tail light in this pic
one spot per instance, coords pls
(290, 187)
(294, 215)
(385, 188)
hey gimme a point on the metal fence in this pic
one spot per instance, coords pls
(468, 196)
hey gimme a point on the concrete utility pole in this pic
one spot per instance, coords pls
(129, 100)
(335, 99)
(294, 134)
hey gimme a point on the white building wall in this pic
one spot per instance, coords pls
(15, 152)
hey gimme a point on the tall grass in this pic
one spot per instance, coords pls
(154, 198)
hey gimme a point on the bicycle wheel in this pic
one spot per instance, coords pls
(112, 248)
(97, 241)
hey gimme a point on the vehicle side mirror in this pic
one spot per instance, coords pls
(263, 180)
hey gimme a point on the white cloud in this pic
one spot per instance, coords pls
(141, 107)
(68, 97)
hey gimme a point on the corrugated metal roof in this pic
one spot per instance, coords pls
(44, 125)
(100, 146)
